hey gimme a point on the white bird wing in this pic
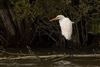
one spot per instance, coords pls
(66, 28)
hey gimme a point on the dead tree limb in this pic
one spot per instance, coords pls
(7, 22)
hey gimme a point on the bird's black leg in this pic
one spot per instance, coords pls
(70, 46)
(63, 45)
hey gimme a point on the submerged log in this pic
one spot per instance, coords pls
(59, 56)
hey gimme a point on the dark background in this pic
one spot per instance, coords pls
(26, 23)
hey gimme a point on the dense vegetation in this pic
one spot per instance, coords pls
(26, 23)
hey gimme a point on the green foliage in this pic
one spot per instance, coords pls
(94, 15)
(21, 9)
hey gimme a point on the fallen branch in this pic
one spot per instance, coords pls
(60, 56)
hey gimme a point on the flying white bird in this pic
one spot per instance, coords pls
(66, 26)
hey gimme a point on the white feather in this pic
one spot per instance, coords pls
(66, 26)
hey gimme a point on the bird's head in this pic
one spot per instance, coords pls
(59, 17)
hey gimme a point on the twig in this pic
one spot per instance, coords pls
(31, 52)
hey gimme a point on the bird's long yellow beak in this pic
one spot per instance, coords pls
(54, 19)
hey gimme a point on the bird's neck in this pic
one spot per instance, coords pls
(61, 20)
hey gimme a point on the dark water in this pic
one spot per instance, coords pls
(67, 62)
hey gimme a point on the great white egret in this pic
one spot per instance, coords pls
(66, 26)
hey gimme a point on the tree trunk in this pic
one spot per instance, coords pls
(7, 22)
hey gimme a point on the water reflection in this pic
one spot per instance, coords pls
(61, 63)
